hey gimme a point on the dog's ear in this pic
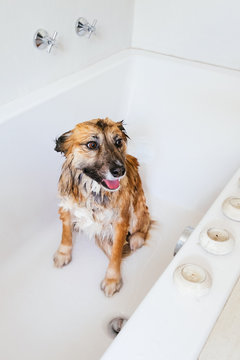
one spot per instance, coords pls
(63, 142)
(123, 130)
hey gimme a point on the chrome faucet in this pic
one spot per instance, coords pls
(83, 27)
(42, 40)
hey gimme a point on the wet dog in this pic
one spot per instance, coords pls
(101, 194)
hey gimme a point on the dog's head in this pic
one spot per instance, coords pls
(98, 148)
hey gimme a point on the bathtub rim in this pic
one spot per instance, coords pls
(25, 103)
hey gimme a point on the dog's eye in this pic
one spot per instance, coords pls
(92, 145)
(118, 142)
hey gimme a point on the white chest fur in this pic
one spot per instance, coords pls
(87, 220)
(82, 216)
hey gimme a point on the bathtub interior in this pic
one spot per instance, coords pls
(180, 119)
(186, 137)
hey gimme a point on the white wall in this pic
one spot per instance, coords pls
(206, 30)
(23, 68)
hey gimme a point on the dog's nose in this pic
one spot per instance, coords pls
(117, 170)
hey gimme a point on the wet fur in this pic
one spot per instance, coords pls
(118, 220)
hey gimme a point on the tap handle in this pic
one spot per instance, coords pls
(52, 41)
(83, 27)
(92, 28)
(42, 40)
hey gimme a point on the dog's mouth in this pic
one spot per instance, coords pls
(111, 184)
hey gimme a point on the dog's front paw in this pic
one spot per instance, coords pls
(62, 257)
(111, 286)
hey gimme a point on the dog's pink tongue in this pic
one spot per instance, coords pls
(112, 184)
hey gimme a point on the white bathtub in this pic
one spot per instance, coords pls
(183, 121)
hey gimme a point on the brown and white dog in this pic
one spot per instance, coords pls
(101, 194)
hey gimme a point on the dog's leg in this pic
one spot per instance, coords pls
(64, 253)
(113, 280)
(105, 244)
(141, 223)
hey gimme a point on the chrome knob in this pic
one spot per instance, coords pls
(183, 238)
(42, 40)
(83, 27)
